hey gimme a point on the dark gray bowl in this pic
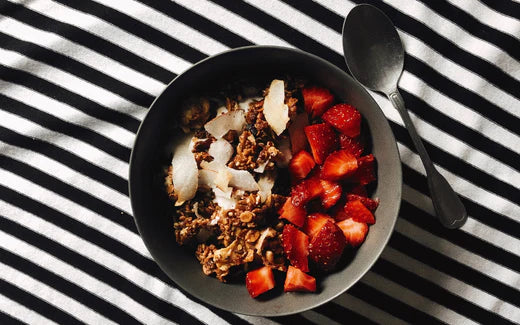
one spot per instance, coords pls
(151, 153)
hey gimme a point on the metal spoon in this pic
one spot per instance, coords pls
(375, 56)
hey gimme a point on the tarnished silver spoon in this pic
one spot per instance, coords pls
(375, 57)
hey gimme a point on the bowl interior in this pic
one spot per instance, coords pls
(152, 150)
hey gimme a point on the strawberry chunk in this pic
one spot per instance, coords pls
(259, 281)
(358, 212)
(339, 165)
(296, 280)
(344, 118)
(301, 164)
(327, 246)
(295, 246)
(298, 138)
(352, 145)
(317, 100)
(369, 203)
(305, 191)
(322, 139)
(315, 222)
(293, 214)
(365, 173)
(354, 232)
(331, 193)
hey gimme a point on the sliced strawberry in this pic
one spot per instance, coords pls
(295, 246)
(365, 173)
(327, 246)
(344, 118)
(296, 280)
(305, 191)
(331, 193)
(358, 212)
(317, 100)
(296, 134)
(354, 232)
(339, 165)
(259, 281)
(352, 145)
(369, 203)
(322, 139)
(301, 164)
(295, 215)
(315, 222)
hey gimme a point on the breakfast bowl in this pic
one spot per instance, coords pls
(152, 152)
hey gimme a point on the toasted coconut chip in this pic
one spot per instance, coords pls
(245, 103)
(221, 110)
(265, 183)
(243, 180)
(275, 111)
(224, 199)
(221, 151)
(267, 233)
(220, 125)
(184, 170)
(207, 177)
(284, 145)
(222, 179)
(261, 168)
(298, 138)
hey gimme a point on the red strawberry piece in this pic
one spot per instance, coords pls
(301, 164)
(331, 193)
(315, 222)
(296, 134)
(365, 173)
(317, 100)
(295, 215)
(358, 212)
(259, 281)
(295, 246)
(322, 139)
(339, 165)
(305, 191)
(296, 280)
(369, 203)
(354, 232)
(327, 246)
(352, 145)
(344, 118)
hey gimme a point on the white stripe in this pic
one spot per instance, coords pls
(79, 53)
(67, 175)
(453, 285)
(22, 313)
(81, 149)
(369, 311)
(167, 25)
(71, 82)
(110, 261)
(233, 22)
(414, 299)
(67, 114)
(44, 291)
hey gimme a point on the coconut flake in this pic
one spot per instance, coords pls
(220, 125)
(275, 111)
(224, 199)
(222, 179)
(221, 151)
(184, 170)
(221, 110)
(298, 137)
(243, 180)
(265, 183)
(261, 168)
(245, 103)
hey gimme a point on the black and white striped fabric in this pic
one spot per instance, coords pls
(76, 78)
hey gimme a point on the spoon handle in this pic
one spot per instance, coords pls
(448, 207)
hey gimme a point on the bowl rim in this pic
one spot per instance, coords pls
(398, 176)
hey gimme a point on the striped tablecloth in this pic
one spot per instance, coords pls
(76, 78)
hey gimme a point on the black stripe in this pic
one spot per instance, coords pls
(454, 268)
(292, 319)
(36, 304)
(98, 271)
(65, 96)
(448, 49)
(131, 25)
(506, 42)
(70, 192)
(434, 292)
(59, 283)
(58, 125)
(506, 7)
(65, 157)
(86, 39)
(476, 210)
(391, 305)
(203, 25)
(339, 314)
(8, 319)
